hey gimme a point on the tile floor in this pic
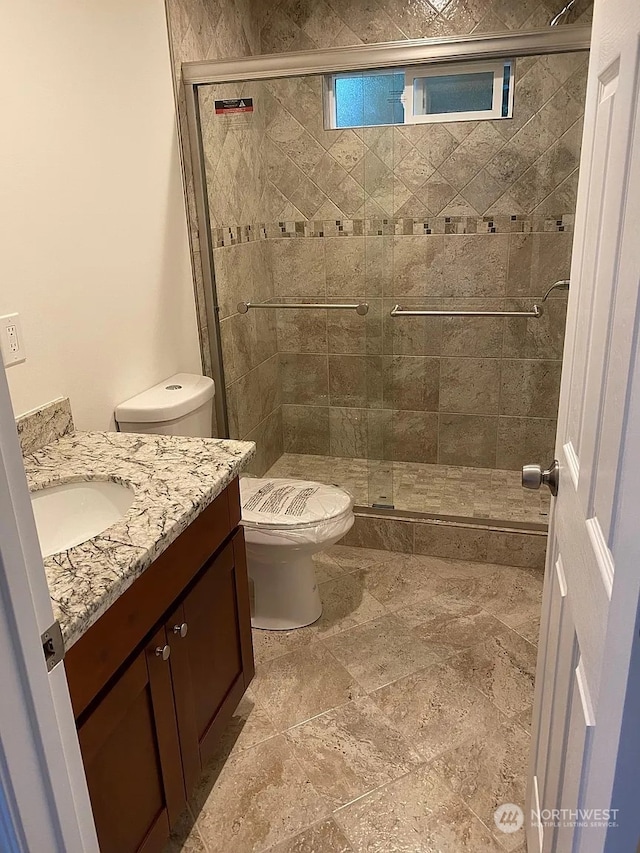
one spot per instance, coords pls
(442, 489)
(397, 723)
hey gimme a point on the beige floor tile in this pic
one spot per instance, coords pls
(513, 595)
(449, 624)
(268, 645)
(380, 652)
(350, 751)
(248, 726)
(530, 629)
(323, 837)
(345, 603)
(488, 771)
(401, 582)
(351, 558)
(416, 814)
(299, 685)
(523, 719)
(326, 567)
(258, 798)
(185, 837)
(435, 709)
(502, 668)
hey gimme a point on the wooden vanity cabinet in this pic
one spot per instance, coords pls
(132, 759)
(152, 720)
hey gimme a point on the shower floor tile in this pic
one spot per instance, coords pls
(414, 487)
(399, 726)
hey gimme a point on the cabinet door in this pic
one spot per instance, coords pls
(213, 662)
(131, 754)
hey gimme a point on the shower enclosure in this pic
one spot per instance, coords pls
(374, 285)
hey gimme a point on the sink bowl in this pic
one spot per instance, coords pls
(69, 514)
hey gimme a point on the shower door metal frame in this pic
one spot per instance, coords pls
(565, 39)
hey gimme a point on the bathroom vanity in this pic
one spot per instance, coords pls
(155, 680)
(155, 616)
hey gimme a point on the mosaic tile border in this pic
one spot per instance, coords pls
(502, 224)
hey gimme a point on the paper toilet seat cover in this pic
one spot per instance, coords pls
(284, 503)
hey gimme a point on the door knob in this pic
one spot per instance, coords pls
(533, 476)
(163, 652)
(181, 630)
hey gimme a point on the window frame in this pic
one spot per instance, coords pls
(414, 72)
(429, 71)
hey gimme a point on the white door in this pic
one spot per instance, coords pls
(588, 635)
(44, 803)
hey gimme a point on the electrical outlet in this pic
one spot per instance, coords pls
(11, 341)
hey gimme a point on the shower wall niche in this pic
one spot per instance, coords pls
(428, 414)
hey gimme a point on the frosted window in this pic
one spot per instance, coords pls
(369, 99)
(453, 93)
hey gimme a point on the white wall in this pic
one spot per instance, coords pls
(94, 251)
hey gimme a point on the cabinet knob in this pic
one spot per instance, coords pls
(181, 629)
(163, 652)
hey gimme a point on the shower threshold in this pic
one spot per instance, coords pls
(413, 490)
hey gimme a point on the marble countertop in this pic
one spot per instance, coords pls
(173, 478)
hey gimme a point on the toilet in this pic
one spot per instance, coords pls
(285, 521)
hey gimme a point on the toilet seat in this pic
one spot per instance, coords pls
(287, 504)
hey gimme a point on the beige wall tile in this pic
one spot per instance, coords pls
(414, 437)
(518, 549)
(470, 385)
(541, 337)
(352, 333)
(466, 336)
(412, 335)
(411, 382)
(355, 381)
(536, 261)
(475, 265)
(467, 440)
(386, 534)
(348, 432)
(268, 438)
(530, 388)
(345, 265)
(302, 330)
(298, 267)
(304, 378)
(418, 265)
(525, 441)
(305, 429)
(451, 541)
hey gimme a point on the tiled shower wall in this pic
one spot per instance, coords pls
(455, 391)
(478, 392)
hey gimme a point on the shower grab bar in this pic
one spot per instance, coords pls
(359, 307)
(536, 311)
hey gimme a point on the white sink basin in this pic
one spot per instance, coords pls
(70, 514)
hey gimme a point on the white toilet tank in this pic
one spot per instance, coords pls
(181, 405)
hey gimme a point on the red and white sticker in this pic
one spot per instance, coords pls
(233, 106)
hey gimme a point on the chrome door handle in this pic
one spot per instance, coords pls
(533, 476)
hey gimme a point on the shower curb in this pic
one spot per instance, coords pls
(481, 541)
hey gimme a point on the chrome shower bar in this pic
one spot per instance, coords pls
(398, 311)
(359, 307)
(536, 311)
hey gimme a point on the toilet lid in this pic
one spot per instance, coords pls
(283, 503)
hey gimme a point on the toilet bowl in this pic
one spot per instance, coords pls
(285, 521)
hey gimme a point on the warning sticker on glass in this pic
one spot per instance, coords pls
(234, 106)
